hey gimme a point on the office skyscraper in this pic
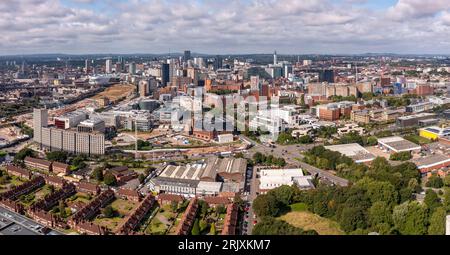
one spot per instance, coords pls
(275, 60)
(218, 62)
(165, 74)
(132, 68)
(187, 55)
(108, 67)
(87, 66)
(326, 76)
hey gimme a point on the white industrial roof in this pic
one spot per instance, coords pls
(353, 151)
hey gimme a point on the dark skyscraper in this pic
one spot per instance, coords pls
(165, 74)
(218, 62)
(326, 76)
(187, 55)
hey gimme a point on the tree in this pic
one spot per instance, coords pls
(203, 208)
(109, 179)
(283, 194)
(174, 206)
(371, 141)
(447, 199)
(382, 191)
(212, 230)
(62, 209)
(380, 213)
(220, 209)
(432, 200)
(437, 222)
(78, 161)
(195, 228)
(266, 205)
(108, 212)
(352, 218)
(447, 181)
(97, 174)
(435, 182)
(203, 225)
(23, 153)
(141, 178)
(410, 218)
(59, 156)
(401, 156)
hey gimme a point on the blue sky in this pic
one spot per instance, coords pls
(225, 26)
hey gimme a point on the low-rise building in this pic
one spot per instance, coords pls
(353, 151)
(133, 220)
(167, 199)
(431, 163)
(274, 178)
(351, 127)
(397, 144)
(413, 120)
(88, 188)
(188, 218)
(231, 219)
(18, 171)
(128, 194)
(60, 168)
(434, 132)
(55, 181)
(360, 116)
(225, 138)
(122, 173)
(38, 164)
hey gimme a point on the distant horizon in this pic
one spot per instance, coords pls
(226, 54)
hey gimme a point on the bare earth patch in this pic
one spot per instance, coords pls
(310, 221)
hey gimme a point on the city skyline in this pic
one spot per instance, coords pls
(224, 27)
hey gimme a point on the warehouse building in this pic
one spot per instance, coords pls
(202, 179)
(353, 151)
(432, 162)
(397, 144)
(274, 178)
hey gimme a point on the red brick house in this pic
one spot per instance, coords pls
(38, 164)
(60, 168)
(128, 194)
(18, 171)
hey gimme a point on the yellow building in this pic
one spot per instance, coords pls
(433, 133)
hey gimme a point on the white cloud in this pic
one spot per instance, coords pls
(223, 26)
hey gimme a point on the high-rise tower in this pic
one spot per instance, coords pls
(275, 61)
(40, 120)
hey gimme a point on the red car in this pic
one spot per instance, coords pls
(254, 222)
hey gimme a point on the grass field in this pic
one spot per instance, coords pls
(299, 207)
(156, 227)
(41, 193)
(110, 223)
(124, 207)
(310, 221)
(417, 139)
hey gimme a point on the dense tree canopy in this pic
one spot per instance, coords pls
(410, 218)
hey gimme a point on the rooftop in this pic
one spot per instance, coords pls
(353, 151)
(398, 144)
(431, 160)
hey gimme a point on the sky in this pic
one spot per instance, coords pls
(225, 26)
